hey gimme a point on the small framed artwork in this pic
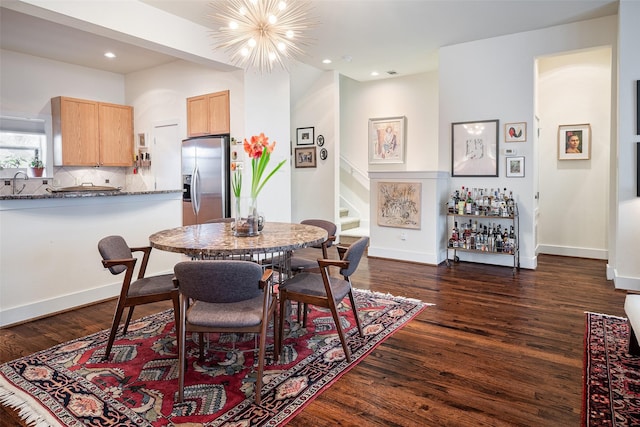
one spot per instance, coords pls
(305, 136)
(515, 132)
(323, 154)
(399, 204)
(320, 141)
(474, 148)
(305, 157)
(386, 140)
(574, 142)
(515, 167)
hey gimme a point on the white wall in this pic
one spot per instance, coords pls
(314, 103)
(416, 98)
(159, 95)
(626, 247)
(494, 79)
(49, 259)
(574, 194)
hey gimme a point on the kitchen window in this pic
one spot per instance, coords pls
(20, 140)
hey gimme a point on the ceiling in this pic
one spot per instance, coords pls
(392, 37)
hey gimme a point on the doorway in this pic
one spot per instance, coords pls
(574, 94)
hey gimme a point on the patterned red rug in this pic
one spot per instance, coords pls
(69, 384)
(612, 376)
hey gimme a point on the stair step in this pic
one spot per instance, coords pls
(344, 212)
(348, 222)
(349, 236)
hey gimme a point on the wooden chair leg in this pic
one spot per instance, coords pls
(126, 323)
(201, 346)
(261, 352)
(114, 328)
(355, 312)
(283, 315)
(336, 319)
(182, 362)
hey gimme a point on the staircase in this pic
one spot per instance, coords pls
(350, 228)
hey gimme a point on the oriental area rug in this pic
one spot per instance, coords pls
(70, 385)
(611, 374)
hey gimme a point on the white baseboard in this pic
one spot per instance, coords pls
(573, 251)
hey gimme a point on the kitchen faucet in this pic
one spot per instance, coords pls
(15, 177)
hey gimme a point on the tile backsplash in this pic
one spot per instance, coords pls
(71, 176)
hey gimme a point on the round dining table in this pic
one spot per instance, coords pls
(275, 243)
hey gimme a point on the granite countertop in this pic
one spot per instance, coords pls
(215, 239)
(79, 194)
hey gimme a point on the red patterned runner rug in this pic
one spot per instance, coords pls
(612, 376)
(70, 385)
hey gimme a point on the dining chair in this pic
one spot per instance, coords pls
(118, 257)
(323, 290)
(220, 296)
(307, 258)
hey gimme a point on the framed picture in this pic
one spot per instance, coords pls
(637, 107)
(515, 132)
(305, 136)
(474, 148)
(305, 157)
(574, 142)
(386, 140)
(399, 204)
(515, 167)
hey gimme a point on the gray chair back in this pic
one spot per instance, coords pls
(114, 247)
(353, 255)
(219, 281)
(327, 225)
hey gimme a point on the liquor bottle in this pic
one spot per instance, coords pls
(512, 240)
(498, 242)
(469, 204)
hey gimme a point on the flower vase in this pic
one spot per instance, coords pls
(248, 222)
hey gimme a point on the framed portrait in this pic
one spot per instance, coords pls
(399, 204)
(386, 140)
(574, 142)
(515, 132)
(474, 148)
(305, 157)
(515, 167)
(305, 136)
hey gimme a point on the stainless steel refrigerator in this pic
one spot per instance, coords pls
(206, 179)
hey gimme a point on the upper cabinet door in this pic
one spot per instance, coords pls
(208, 114)
(197, 116)
(219, 113)
(116, 135)
(75, 129)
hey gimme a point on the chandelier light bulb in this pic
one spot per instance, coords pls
(259, 33)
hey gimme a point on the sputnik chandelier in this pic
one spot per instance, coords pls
(260, 33)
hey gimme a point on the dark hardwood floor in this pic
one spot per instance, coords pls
(495, 349)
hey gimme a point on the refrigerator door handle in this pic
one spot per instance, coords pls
(195, 191)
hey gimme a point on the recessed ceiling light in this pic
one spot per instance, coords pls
(326, 61)
(374, 73)
(110, 55)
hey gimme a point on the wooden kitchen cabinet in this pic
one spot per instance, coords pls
(208, 114)
(91, 133)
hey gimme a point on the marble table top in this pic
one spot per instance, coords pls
(217, 239)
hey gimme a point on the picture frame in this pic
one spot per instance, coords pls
(515, 167)
(515, 132)
(304, 136)
(387, 140)
(305, 157)
(399, 204)
(637, 107)
(574, 142)
(474, 148)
